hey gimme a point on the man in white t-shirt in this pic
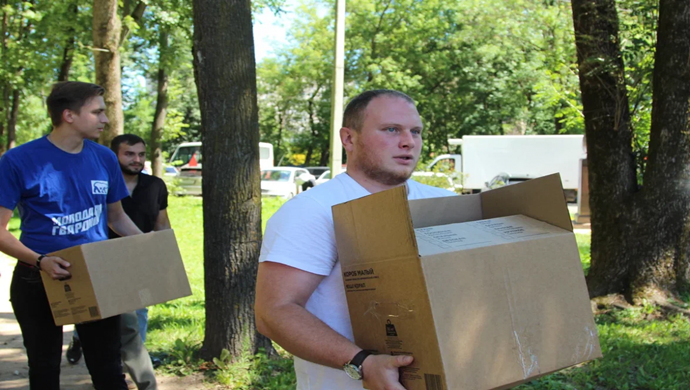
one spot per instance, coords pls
(300, 297)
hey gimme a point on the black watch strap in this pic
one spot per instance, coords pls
(359, 357)
(38, 261)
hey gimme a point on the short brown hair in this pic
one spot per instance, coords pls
(70, 95)
(353, 117)
(129, 139)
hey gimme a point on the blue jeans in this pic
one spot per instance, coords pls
(142, 316)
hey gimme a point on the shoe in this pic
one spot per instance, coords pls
(74, 351)
(156, 362)
(130, 384)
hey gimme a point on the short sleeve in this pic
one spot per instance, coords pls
(117, 189)
(163, 196)
(10, 183)
(301, 235)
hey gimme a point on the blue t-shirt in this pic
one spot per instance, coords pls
(62, 197)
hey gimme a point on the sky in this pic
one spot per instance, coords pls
(270, 30)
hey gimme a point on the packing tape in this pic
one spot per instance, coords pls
(145, 297)
(385, 310)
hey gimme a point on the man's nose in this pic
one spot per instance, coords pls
(407, 140)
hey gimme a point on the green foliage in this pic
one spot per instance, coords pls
(474, 67)
(638, 25)
(256, 371)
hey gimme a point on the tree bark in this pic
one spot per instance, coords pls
(107, 28)
(225, 74)
(660, 245)
(612, 181)
(161, 109)
(12, 121)
(4, 104)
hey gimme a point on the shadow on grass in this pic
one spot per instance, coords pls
(161, 323)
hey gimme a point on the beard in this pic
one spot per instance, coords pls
(370, 165)
(129, 171)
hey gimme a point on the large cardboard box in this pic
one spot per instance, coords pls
(116, 276)
(486, 291)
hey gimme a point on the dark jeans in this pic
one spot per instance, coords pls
(100, 340)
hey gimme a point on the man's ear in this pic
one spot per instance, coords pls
(347, 137)
(68, 115)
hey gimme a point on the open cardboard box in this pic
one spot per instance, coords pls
(116, 276)
(495, 300)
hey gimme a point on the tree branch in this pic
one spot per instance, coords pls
(136, 15)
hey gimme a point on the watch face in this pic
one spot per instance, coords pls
(352, 371)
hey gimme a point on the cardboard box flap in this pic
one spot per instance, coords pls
(541, 198)
(486, 232)
(445, 210)
(378, 224)
(111, 256)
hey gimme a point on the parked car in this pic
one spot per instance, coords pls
(317, 171)
(285, 182)
(326, 176)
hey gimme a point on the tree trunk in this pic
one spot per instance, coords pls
(612, 180)
(640, 238)
(107, 29)
(663, 215)
(226, 83)
(161, 109)
(4, 104)
(68, 52)
(12, 121)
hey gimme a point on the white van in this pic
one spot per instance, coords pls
(188, 159)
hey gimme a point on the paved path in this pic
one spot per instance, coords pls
(13, 366)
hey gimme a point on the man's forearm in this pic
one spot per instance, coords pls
(124, 226)
(305, 336)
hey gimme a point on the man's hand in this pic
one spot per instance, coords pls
(381, 372)
(55, 267)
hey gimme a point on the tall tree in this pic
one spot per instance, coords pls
(161, 108)
(226, 84)
(640, 234)
(108, 34)
(107, 28)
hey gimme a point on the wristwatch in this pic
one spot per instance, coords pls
(38, 261)
(353, 368)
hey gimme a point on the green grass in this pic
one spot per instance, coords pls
(176, 329)
(642, 348)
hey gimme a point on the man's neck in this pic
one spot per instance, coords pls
(369, 184)
(66, 140)
(130, 179)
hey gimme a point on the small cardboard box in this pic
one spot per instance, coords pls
(486, 291)
(116, 276)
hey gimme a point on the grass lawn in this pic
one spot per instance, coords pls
(643, 349)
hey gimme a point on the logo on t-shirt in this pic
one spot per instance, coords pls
(78, 222)
(99, 187)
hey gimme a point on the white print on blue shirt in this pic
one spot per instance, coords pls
(99, 187)
(78, 222)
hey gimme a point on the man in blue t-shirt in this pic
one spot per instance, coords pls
(67, 189)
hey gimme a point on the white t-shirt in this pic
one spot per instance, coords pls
(301, 235)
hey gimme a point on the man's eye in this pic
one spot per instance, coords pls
(391, 129)
(416, 132)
